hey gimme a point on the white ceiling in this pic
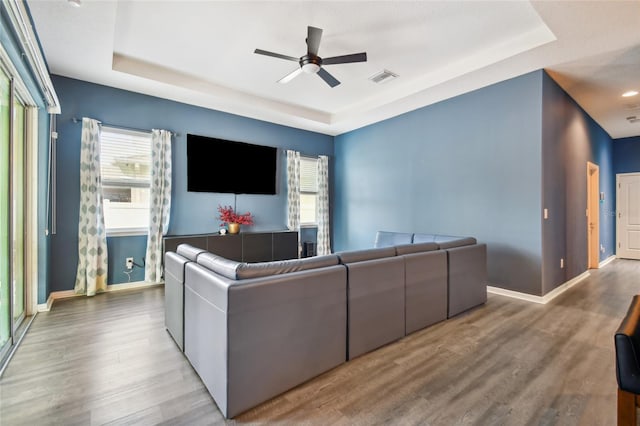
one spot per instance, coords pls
(201, 53)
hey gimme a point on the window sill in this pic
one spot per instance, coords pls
(126, 232)
(308, 225)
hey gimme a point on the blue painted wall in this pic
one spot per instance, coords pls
(470, 165)
(9, 43)
(570, 139)
(191, 213)
(626, 155)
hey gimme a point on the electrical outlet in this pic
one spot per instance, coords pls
(128, 263)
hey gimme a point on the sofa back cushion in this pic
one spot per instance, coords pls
(242, 271)
(189, 251)
(262, 269)
(366, 254)
(388, 239)
(443, 241)
(423, 238)
(220, 265)
(457, 242)
(415, 248)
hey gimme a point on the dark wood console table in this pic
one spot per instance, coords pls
(242, 247)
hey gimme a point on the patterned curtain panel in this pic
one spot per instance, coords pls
(91, 277)
(159, 203)
(324, 242)
(293, 193)
(293, 190)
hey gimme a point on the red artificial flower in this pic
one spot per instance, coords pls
(227, 215)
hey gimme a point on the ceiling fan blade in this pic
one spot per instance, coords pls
(328, 78)
(276, 55)
(314, 35)
(287, 78)
(345, 59)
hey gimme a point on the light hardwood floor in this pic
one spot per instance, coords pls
(108, 360)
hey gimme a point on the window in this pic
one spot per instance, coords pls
(125, 160)
(308, 190)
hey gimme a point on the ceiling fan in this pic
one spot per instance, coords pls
(311, 63)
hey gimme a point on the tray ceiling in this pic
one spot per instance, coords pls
(201, 53)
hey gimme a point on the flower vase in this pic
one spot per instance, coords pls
(234, 228)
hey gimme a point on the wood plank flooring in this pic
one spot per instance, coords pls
(108, 360)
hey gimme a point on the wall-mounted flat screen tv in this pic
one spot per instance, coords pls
(218, 165)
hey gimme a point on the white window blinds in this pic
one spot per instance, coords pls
(308, 190)
(125, 158)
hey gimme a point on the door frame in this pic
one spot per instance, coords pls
(618, 228)
(593, 215)
(30, 212)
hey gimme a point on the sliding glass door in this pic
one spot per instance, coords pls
(5, 256)
(12, 213)
(18, 191)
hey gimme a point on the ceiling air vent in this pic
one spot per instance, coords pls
(383, 76)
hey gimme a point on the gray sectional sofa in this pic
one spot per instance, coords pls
(254, 330)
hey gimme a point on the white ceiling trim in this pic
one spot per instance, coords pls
(29, 45)
(231, 97)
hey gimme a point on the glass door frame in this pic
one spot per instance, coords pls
(15, 98)
(19, 92)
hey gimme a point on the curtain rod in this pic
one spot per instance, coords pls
(79, 120)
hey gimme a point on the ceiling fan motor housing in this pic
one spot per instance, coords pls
(310, 64)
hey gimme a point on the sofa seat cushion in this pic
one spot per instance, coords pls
(389, 239)
(242, 271)
(366, 254)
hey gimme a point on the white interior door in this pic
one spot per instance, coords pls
(628, 216)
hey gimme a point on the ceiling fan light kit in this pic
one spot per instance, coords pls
(311, 63)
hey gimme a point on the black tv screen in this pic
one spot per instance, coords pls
(218, 165)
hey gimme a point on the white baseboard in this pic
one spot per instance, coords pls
(135, 284)
(540, 299)
(65, 294)
(607, 261)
